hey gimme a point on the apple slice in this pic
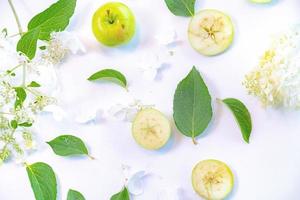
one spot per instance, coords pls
(212, 179)
(261, 1)
(151, 129)
(210, 32)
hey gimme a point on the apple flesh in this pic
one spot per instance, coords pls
(151, 129)
(212, 179)
(210, 32)
(261, 1)
(113, 24)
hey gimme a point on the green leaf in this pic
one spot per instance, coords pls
(26, 124)
(34, 84)
(241, 115)
(21, 96)
(111, 75)
(53, 19)
(122, 195)
(14, 124)
(68, 145)
(43, 181)
(75, 195)
(4, 31)
(42, 47)
(192, 110)
(181, 7)
(28, 42)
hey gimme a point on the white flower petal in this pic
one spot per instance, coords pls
(135, 183)
(123, 112)
(170, 193)
(86, 116)
(58, 113)
(46, 76)
(150, 74)
(70, 41)
(166, 37)
(20, 159)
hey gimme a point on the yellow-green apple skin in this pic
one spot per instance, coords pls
(261, 1)
(113, 24)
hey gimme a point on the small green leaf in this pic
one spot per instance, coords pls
(14, 124)
(20, 96)
(26, 124)
(241, 115)
(192, 110)
(122, 195)
(68, 145)
(111, 75)
(181, 7)
(43, 181)
(53, 19)
(42, 47)
(34, 84)
(28, 42)
(4, 31)
(75, 195)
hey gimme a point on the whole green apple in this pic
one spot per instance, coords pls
(113, 24)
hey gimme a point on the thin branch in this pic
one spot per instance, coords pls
(16, 16)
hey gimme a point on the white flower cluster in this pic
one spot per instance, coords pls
(24, 89)
(276, 80)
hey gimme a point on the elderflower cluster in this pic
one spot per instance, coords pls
(23, 89)
(276, 80)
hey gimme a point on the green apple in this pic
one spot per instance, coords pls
(151, 129)
(113, 24)
(210, 32)
(212, 179)
(261, 1)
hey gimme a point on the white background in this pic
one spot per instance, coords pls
(267, 168)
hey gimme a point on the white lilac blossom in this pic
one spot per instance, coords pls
(62, 43)
(276, 79)
(20, 100)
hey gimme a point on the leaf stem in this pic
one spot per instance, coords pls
(11, 70)
(24, 75)
(16, 34)
(35, 93)
(5, 113)
(25, 164)
(91, 157)
(16, 16)
(194, 141)
(219, 100)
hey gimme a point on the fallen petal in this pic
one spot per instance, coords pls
(135, 183)
(57, 112)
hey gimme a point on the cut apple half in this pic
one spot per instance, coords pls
(210, 32)
(151, 129)
(212, 179)
(261, 1)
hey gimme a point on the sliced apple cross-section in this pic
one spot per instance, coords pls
(151, 129)
(210, 32)
(212, 179)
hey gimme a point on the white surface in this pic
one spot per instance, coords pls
(267, 168)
